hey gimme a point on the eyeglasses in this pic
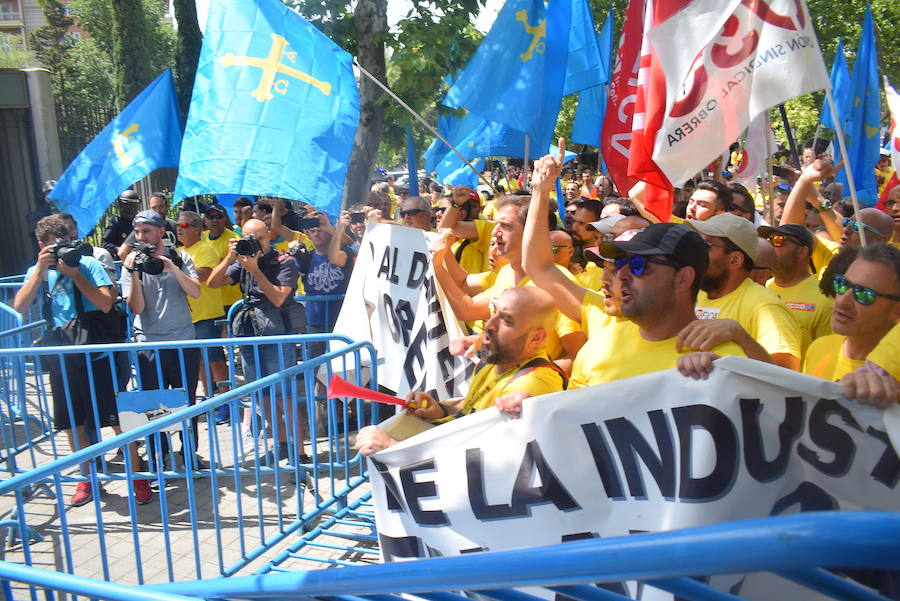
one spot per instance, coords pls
(861, 294)
(854, 225)
(778, 240)
(556, 249)
(411, 212)
(637, 264)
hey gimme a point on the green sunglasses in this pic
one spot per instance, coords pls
(861, 294)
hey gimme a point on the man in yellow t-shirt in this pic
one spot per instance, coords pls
(515, 365)
(866, 308)
(733, 307)
(566, 338)
(208, 308)
(657, 272)
(878, 225)
(217, 235)
(797, 288)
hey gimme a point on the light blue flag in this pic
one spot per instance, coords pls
(585, 62)
(514, 77)
(413, 184)
(142, 138)
(840, 89)
(592, 102)
(863, 119)
(274, 109)
(461, 175)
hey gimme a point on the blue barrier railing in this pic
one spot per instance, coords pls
(205, 519)
(326, 301)
(821, 552)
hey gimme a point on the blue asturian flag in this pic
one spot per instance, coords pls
(863, 118)
(274, 110)
(840, 89)
(145, 136)
(585, 62)
(514, 77)
(592, 102)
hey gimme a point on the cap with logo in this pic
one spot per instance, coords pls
(673, 240)
(740, 231)
(148, 217)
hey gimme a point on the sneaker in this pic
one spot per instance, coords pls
(222, 414)
(142, 492)
(83, 495)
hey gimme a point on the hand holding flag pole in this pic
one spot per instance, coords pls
(423, 122)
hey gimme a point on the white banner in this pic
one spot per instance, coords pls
(393, 300)
(724, 63)
(759, 145)
(646, 454)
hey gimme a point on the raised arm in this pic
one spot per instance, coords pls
(537, 256)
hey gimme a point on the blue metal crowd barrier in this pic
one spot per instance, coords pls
(204, 519)
(308, 300)
(812, 555)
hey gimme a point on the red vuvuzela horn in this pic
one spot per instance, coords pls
(339, 387)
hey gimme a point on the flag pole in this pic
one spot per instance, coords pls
(839, 134)
(423, 122)
(525, 164)
(790, 135)
(770, 164)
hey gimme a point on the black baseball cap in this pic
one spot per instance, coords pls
(214, 208)
(148, 217)
(674, 240)
(794, 230)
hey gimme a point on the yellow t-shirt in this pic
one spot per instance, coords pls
(760, 312)
(474, 256)
(825, 359)
(887, 354)
(490, 211)
(619, 351)
(808, 306)
(677, 219)
(591, 277)
(231, 293)
(506, 278)
(823, 252)
(487, 385)
(209, 305)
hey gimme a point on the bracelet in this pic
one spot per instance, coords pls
(455, 206)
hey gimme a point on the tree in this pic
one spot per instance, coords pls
(188, 50)
(52, 43)
(13, 55)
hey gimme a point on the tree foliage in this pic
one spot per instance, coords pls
(52, 44)
(13, 56)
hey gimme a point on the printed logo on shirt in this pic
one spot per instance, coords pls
(706, 313)
(800, 306)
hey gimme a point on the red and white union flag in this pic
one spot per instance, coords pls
(724, 62)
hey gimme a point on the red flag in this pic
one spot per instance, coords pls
(615, 139)
(882, 200)
(649, 109)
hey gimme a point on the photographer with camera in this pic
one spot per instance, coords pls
(156, 282)
(268, 281)
(76, 288)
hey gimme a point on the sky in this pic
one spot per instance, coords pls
(397, 10)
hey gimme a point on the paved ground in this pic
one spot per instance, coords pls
(230, 523)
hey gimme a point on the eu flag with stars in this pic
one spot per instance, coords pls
(145, 136)
(274, 109)
(863, 118)
(515, 78)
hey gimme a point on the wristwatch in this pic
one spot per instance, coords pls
(455, 206)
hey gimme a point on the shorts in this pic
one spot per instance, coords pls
(206, 329)
(264, 360)
(79, 390)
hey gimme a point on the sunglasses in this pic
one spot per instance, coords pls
(556, 249)
(184, 226)
(778, 240)
(411, 212)
(854, 225)
(215, 216)
(861, 294)
(637, 264)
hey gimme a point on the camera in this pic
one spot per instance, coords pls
(247, 246)
(144, 261)
(70, 253)
(357, 217)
